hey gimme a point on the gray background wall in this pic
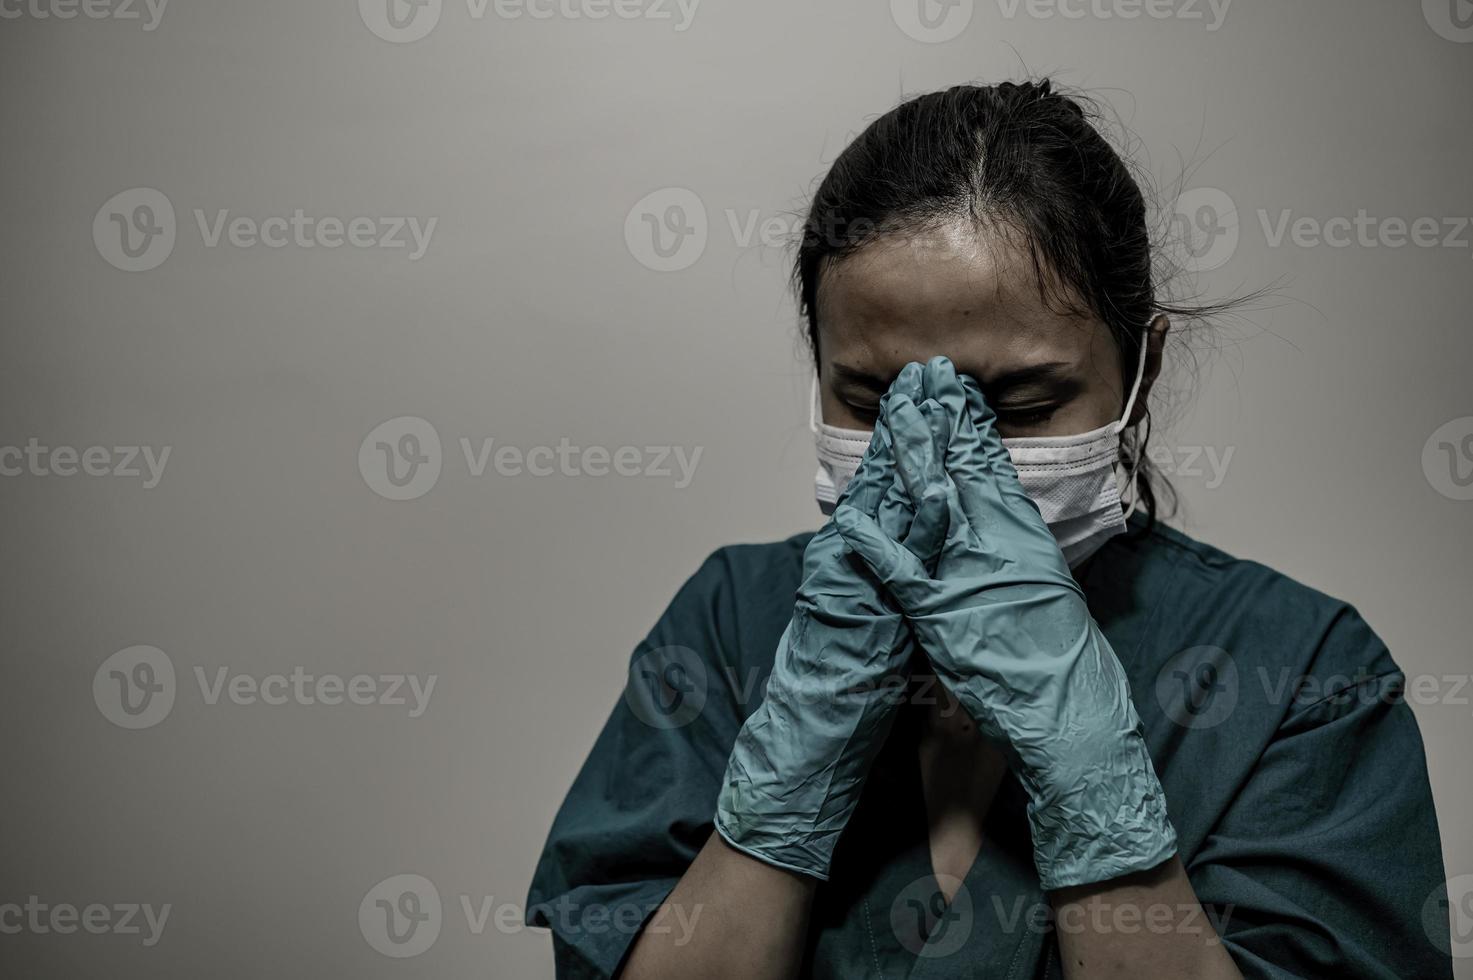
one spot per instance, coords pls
(539, 312)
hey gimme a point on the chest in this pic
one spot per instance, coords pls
(934, 876)
(960, 773)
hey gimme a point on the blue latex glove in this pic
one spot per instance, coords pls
(1008, 632)
(800, 761)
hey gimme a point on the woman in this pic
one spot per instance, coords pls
(1009, 727)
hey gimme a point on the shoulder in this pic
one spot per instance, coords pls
(741, 598)
(738, 564)
(750, 575)
(1276, 629)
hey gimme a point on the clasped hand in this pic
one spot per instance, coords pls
(935, 544)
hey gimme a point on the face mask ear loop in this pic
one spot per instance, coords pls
(1135, 388)
(1135, 463)
(1134, 470)
(813, 405)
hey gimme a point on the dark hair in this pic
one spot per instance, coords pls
(1027, 160)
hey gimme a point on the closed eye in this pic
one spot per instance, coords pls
(1026, 418)
(867, 412)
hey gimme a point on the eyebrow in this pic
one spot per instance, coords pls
(1050, 377)
(1053, 378)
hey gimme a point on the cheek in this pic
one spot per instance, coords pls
(843, 419)
(1101, 402)
(1092, 409)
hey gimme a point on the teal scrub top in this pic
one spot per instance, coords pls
(1293, 769)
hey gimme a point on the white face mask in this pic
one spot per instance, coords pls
(1075, 480)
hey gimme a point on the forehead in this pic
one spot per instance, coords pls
(971, 295)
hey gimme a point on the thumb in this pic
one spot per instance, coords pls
(900, 571)
(928, 530)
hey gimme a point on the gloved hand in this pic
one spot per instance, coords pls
(1008, 632)
(800, 761)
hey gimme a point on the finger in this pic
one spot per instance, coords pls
(981, 463)
(984, 422)
(922, 466)
(992, 495)
(962, 398)
(908, 382)
(940, 426)
(913, 444)
(928, 530)
(940, 382)
(900, 571)
(873, 478)
(896, 510)
(918, 440)
(974, 445)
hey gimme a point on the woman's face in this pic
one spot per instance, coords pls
(973, 297)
